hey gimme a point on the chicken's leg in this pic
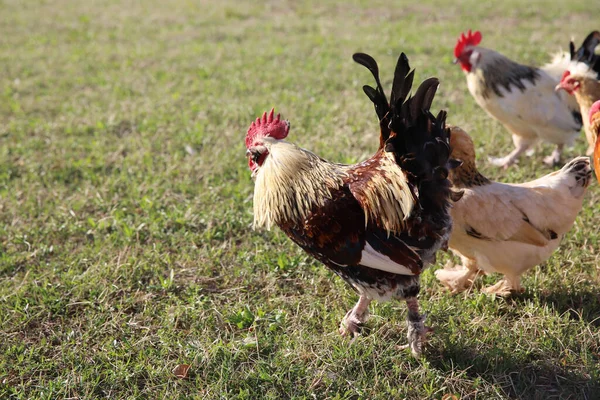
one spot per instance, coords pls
(505, 162)
(356, 317)
(459, 278)
(554, 159)
(417, 331)
(506, 286)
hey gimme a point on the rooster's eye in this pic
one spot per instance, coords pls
(255, 155)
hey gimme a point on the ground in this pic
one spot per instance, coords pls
(126, 246)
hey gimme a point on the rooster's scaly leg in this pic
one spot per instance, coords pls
(554, 159)
(356, 317)
(417, 331)
(506, 287)
(521, 146)
(459, 278)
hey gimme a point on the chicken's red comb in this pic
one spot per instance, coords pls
(594, 109)
(565, 74)
(471, 39)
(267, 125)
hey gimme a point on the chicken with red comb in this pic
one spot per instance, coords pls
(460, 50)
(520, 97)
(377, 224)
(583, 84)
(265, 126)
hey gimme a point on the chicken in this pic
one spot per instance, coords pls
(586, 53)
(508, 228)
(376, 224)
(594, 118)
(520, 97)
(582, 82)
(583, 57)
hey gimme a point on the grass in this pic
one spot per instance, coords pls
(126, 246)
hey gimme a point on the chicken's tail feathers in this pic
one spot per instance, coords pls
(580, 170)
(419, 140)
(586, 52)
(577, 164)
(582, 60)
(424, 96)
(403, 80)
(401, 106)
(376, 95)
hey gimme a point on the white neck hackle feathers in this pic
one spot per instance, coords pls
(292, 181)
(582, 70)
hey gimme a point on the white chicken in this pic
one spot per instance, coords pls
(508, 228)
(520, 97)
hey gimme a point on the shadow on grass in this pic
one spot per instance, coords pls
(579, 303)
(520, 377)
(524, 374)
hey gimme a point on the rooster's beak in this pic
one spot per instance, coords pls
(455, 61)
(557, 88)
(248, 153)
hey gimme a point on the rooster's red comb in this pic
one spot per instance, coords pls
(470, 39)
(565, 74)
(594, 109)
(267, 125)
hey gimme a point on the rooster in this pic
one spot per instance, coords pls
(520, 97)
(594, 118)
(508, 228)
(586, 53)
(582, 82)
(377, 224)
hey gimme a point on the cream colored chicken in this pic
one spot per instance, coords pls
(583, 83)
(508, 228)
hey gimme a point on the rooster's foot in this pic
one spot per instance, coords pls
(456, 279)
(417, 336)
(350, 325)
(354, 320)
(503, 162)
(417, 331)
(504, 288)
(553, 159)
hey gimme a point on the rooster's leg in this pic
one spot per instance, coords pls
(356, 317)
(506, 287)
(457, 279)
(505, 162)
(417, 331)
(554, 159)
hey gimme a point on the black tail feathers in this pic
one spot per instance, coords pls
(377, 96)
(418, 139)
(403, 112)
(586, 52)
